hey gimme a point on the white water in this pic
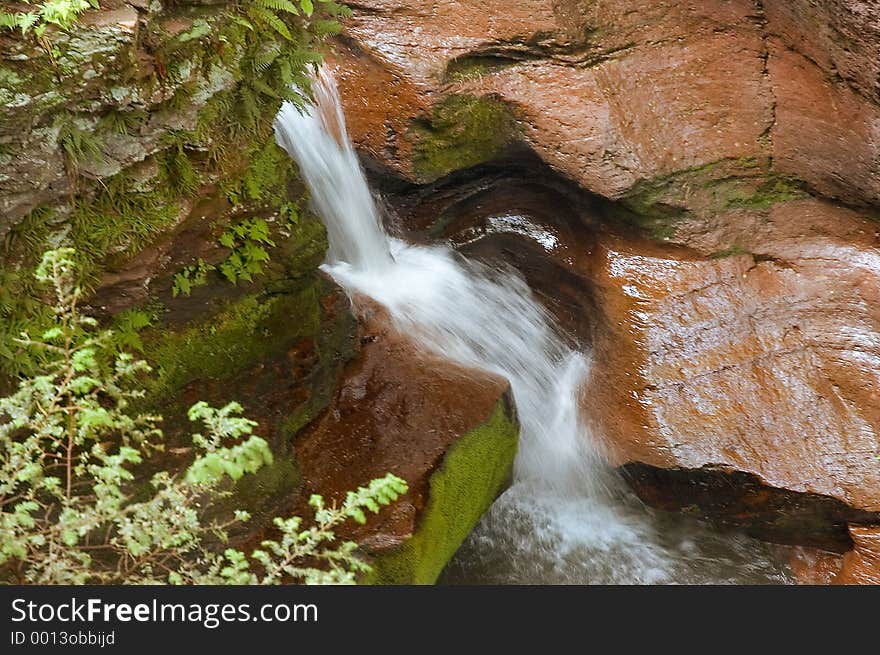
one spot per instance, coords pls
(565, 510)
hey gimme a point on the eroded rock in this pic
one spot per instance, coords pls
(450, 432)
(611, 95)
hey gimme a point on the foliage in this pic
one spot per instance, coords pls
(123, 121)
(62, 13)
(178, 172)
(69, 451)
(248, 254)
(194, 275)
(79, 145)
(232, 144)
(127, 326)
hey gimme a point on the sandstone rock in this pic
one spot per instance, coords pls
(450, 432)
(814, 567)
(862, 564)
(610, 94)
(766, 362)
(825, 133)
(841, 36)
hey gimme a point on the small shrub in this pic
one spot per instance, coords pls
(69, 448)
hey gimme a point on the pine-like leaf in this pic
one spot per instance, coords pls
(277, 5)
(266, 16)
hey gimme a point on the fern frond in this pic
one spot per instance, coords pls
(264, 88)
(265, 58)
(270, 19)
(8, 21)
(243, 22)
(277, 5)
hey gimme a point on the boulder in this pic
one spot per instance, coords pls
(450, 432)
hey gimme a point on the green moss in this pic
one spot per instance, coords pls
(234, 338)
(474, 472)
(463, 131)
(775, 190)
(475, 66)
(657, 205)
(729, 252)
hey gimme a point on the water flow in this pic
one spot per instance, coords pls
(464, 311)
(318, 140)
(564, 500)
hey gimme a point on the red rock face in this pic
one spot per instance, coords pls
(397, 410)
(748, 342)
(610, 94)
(862, 564)
(824, 133)
(766, 362)
(841, 36)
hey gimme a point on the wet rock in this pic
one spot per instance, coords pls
(611, 95)
(810, 566)
(763, 359)
(450, 432)
(825, 133)
(862, 564)
(741, 501)
(841, 36)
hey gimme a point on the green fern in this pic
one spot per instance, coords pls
(277, 5)
(63, 13)
(79, 145)
(266, 16)
(123, 121)
(177, 170)
(126, 330)
(248, 255)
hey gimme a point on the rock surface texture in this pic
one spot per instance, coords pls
(732, 263)
(449, 431)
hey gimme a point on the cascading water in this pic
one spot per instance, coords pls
(565, 518)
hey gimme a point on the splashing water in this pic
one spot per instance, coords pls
(565, 511)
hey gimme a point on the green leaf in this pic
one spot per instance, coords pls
(83, 360)
(69, 537)
(52, 333)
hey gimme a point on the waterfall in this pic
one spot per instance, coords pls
(564, 505)
(464, 311)
(318, 140)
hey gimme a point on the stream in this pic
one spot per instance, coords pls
(567, 517)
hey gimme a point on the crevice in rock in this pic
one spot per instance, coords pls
(766, 137)
(741, 500)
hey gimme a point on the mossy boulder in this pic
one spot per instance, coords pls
(474, 471)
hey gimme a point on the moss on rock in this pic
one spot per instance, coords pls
(227, 342)
(463, 131)
(657, 205)
(474, 471)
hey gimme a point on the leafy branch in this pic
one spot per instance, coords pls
(70, 445)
